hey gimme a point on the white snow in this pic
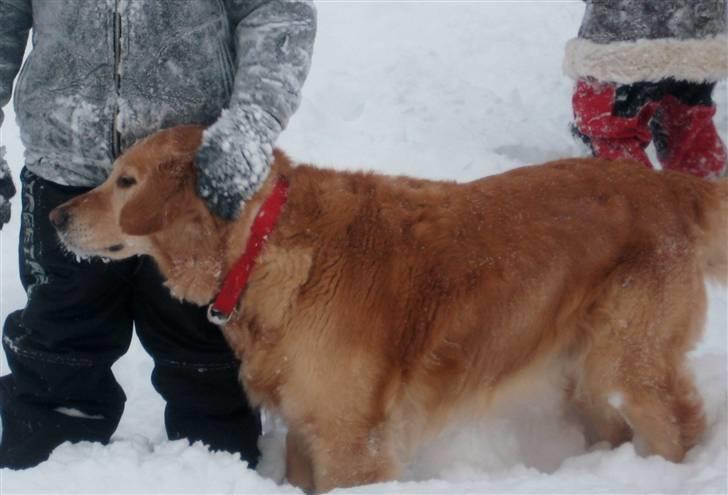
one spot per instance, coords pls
(76, 413)
(615, 399)
(3, 170)
(447, 90)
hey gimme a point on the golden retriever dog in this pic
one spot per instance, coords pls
(382, 308)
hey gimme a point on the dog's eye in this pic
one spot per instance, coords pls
(125, 182)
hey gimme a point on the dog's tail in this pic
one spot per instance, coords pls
(716, 245)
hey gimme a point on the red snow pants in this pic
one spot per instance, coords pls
(620, 121)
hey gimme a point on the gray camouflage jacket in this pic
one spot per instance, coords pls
(630, 41)
(103, 73)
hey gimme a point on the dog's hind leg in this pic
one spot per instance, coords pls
(662, 404)
(602, 422)
(634, 363)
(662, 409)
(666, 415)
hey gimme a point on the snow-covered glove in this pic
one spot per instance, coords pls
(7, 189)
(234, 159)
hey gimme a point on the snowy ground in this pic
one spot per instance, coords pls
(452, 90)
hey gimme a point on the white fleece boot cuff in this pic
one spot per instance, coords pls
(627, 62)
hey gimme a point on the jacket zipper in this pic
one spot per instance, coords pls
(115, 135)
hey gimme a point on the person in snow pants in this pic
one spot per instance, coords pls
(101, 75)
(645, 71)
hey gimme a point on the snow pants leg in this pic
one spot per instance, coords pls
(685, 135)
(613, 120)
(194, 370)
(78, 321)
(60, 348)
(620, 121)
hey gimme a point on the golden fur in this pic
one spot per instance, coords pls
(383, 307)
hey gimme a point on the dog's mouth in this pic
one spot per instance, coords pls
(83, 251)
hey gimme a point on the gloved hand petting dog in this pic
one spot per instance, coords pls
(230, 169)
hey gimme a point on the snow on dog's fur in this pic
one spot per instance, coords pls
(383, 308)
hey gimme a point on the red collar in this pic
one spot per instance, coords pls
(219, 312)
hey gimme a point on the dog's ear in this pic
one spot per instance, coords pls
(159, 199)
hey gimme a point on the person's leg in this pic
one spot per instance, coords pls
(613, 120)
(60, 348)
(195, 371)
(685, 135)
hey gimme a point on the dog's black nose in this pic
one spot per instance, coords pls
(60, 218)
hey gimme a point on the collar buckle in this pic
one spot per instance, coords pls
(217, 317)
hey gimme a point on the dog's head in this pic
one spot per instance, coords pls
(151, 187)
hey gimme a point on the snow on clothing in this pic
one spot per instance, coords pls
(629, 41)
(7, 189)
(647, 69)
(104, 73)
(222, 152)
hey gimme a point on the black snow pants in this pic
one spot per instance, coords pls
(78, 322)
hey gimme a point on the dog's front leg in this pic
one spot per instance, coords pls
(299, 470)
(345, 455)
